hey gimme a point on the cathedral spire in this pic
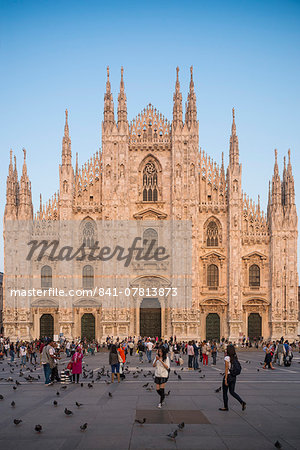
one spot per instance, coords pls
(234, 144)
(66, 154)
(109, 117)
(177, 99)
(76, 167)
(276, 184)
(25, 208)
(122, 106)
(290, 186)
(191, 108)
(66, 125)
(11, 190)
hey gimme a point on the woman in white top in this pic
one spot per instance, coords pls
(229, 379)
(162, 367)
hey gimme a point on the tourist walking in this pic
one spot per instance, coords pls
(122, 360)
(205, 352)
(149, 347)
(280, 352)
(77, 364)
(131, 347)
(162, 366)
(232, 369)
(190, 353)
(269, 355)
(23, 354)
(214, 352)
(12, 352)
(47, 363)
(114, 363)
(140, 349)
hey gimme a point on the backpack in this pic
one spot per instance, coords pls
(236, 368)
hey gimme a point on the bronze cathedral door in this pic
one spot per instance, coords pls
(150, 318)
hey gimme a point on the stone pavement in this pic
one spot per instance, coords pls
(273, 410)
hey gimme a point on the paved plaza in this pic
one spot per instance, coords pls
(272, 413)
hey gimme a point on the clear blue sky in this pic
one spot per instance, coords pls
(54, 54)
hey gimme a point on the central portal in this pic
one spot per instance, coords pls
(150, 318)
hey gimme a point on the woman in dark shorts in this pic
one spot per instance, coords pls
(162, 366)
(114, 362)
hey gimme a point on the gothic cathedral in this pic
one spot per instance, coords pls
(244, 264)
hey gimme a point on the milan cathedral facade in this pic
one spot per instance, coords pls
(244, 264)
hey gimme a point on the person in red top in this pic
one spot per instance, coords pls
(122, 359)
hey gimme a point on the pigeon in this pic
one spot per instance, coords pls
(135, 376)
(90, 385)
(68, 412)
(1, 397)
(200, 370)
(179, 377)
(13, 404)
(57, 393)
(83, 427)
(141, 422)
(55, 403)
(168, 393)
(78, 404)
(145, 385)
(277, 444)
(64, 387)
(17, 421)
(110, 394)
(180, 426)
(181, 368)
(173, 435)
(257, 370)
(175, 373)
(218, 390)
(38, 428)
(18, 383)
(203, 376)
(14, 388)
(150, 388)
(107, 382)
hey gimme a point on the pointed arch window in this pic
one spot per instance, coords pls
(89, 233)
(46, 277)
(254, 276)
(212, 277)
(150, 184)
(212, 235)
(88, 276)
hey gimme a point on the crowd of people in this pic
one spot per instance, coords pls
(159, 353)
